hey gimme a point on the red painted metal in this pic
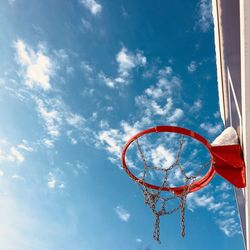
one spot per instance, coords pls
(227, 161)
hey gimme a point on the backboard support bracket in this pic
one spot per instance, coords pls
(229, 164)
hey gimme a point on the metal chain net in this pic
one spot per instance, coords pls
(154, 198)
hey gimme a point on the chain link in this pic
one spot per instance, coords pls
(152, 197)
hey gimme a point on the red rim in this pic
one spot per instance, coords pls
(161, 129)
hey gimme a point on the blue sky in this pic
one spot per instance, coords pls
(77, 79)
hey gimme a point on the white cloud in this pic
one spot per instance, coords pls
(1, 173)
(88, 91)
(94, 7)
(167, 71)
(108, 81)
(129, 130)
(24, 145)
(87, 69)
(70, 136)
(165, 87)
(62, 55)
(111, 140)
(195, 200)
(154, 92)
(48, 143)
(109, 109)
(157, 101)
(158, 110)
(192, 67)
(51, 117)
(73, 141)
(217, 114)
(57, 119)
(205, 19)
(224, 212)
(86, 24)
(37, 66)
(77, 167)
(54, 182)
(227, 213)
(176, 115)
(229, 226)
(75, 120)
(162, 157)
(17, 177)
(16, 155)
(51, 180)
(11, 154)
(210, 128)
(123, 214)
(224, 186)
(196, 106)
(126, 62)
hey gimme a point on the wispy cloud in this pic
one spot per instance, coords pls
(111, 138)
(223, 187)
(196, 106)
(94, 7)
(108, 81)
(86, 68)
(205, 19)
(61, 55)
(220, 202)
(51, 117)
(177, 115)
(10, 153)
(126, 62)
(162, 157)
(49, 143)
(122, 213)
(17, 177)
(75, 120)
(54, 180)
(156, 102)
(196, 200)
(15, 155)
(158, 99)
(56, 117)
(86, 24)
(211, 129)
(24, 145)
(37, 67)
(192, 67)
(229, 226)
(77, 167)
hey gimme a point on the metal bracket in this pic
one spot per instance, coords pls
(228, 163)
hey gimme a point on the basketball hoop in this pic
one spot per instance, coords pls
(225, 160)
